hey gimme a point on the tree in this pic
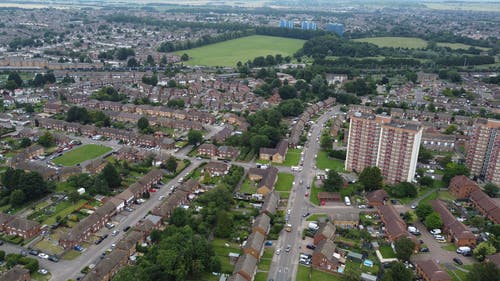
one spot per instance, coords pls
(451, 129)
(258, 141)
(398, 272)
(326, 141)
(184, 57)
(423, 210)
(179, 217)
(424, 155)
(404, 189)
(171, 164)
(404, 248)
(287, 92)
(16, 78)
(433, 221)
(224, 224)
(143, 124)
(371, 178)
(46, 140)
(482, 250)
(111, 176)
(24, 142)
(491, 189)
(132, 62)
(453, 169)
(333, 182)
(484, 272)
(73, 196)
(194, 137)
(17, 198)
(426, 181)
(100, 186)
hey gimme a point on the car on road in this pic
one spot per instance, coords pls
(310, 246)
(278, 252)
(308, 187)
(43, 256)
(435, 231)
(125, 229)
(43, 271)
(152, 190)
(98, 241)
(306, 214)
(129, 209)
(307, 194)
(161, 197)
(34, 252)
(424, 250)
(458, 261)
(288, 248)
(413, 206)
(115, 232)
(53, 258)
(24, 253)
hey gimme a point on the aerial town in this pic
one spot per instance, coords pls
(260, 140)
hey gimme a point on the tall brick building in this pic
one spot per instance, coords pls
(382, 142)
(483, 155)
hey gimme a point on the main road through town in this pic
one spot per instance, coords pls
(284, 266)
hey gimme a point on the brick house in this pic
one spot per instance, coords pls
(325, 232)
(346, 220)
(262, 224)
(207, 149)
(17, 273)
(254, 244)
(227, 152)
(246, 267)
(276, 155)
(23, 228)
(271, 203)
(377, 197)
(461, 187)
(485, 205)
(457, 232)
(429, 270)
(216, 168)
(326, 258)
(395, 227)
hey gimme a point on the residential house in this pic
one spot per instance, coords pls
(377, 197)
(461, 187)
(495, 258)
(276, 155)
(227, 152)
(130, 241)
(4, 219)
(325, 232)
(207, 149)
(262, 224)
(17, 273)
(457, 232)
(271, 203)
(485, 205)
(346, 220)
(222, 135)
(22, 227)
(96, 166)
(246, 267)
(429, 270)
(395, 227)
(216, 168)
(109, 266)
(254, 244)
(267, 178)
(326, 258)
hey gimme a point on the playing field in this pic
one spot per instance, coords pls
(80, 154)
(228, 53)
(395, 42)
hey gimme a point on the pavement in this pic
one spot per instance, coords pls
(284, 266)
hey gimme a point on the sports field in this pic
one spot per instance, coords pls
(80, 154)
(395, 42)
(228, 53)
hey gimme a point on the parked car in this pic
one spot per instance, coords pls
(1, 242)
(288, 248)
(424, 250)
(115, 232)
(125, 229)
(43, 256)
(43, 271)
(34, 252)
(458, 261)
(310, 246)
(129, 209)
(435, 231)
(53, 259)
(78, 248)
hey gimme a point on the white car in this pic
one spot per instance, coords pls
(161, 197)
(43, 271)
(278, 252)
(43, 256)
(438, 237)
(435, 231)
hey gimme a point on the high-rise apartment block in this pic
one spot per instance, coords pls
(286, 24)
(308, 25)
(376, 140)
(483, 157)
(337, 28)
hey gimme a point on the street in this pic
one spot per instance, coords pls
(284, 266)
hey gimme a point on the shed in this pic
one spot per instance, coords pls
(368, 277)
(353, 256)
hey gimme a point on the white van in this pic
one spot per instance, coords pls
(347, 201)
(463, 249)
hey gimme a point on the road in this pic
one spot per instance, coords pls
(284, 266)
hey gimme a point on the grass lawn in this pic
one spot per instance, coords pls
(284, 182)
(82, 153)
(63, 209)
(457, 46)
(228, 53)
(432, 196)
(450, 247)
(222, 252)
(395, 42)
(71, 255)
(316, 275)
(265, 264)
(325, 162)
(284, 194)
(314, 194)
(446, 196)
(292, 157)
(316, 217)
(261, 276)
(387, 252)
(49, 247)
(39, 277)
(248, 186)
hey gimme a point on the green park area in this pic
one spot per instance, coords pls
(306, 273)
(325, 162)
(284, 182)
(228, 53)
(81, 154)
(411, 43)
(292, 157)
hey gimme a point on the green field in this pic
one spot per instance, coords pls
(292, 157)
(82, 153)
(456, 46)
(284, 182)
(316, 275)
(228, 53)
(396, 42)
(325, 162)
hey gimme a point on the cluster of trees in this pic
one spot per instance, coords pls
(464, 60)
(346, 64)
(333, 182)
(42, 79)
(109, 178)
(371, 178)
(169, 46)
(108, 93)
(404, 247)
(18, 43)
(485, 271)
(403, 189)
(426, 214)
(320, 47)
(22, 187)
(47, 140)
(265, 130)
(13, 259)
(268, 60)
(176, 103)
(452, 169)
(143, 125)
(361, 87)
(14, 81)
(195, 137)
(119, 54)
(84, 116)
(451, 75)
(150, 80)
(339, 154)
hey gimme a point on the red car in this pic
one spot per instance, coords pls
(307, 194)
(152, 190)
